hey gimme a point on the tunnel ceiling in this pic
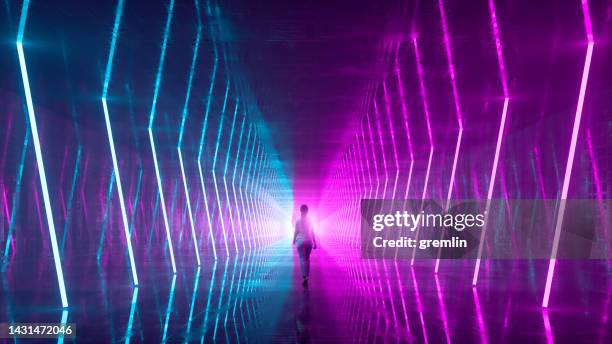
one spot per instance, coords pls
(308, 66)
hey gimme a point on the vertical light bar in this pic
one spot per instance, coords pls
(239, 290)
(245, 210)
(362, 169)
(220, 300)
(189, 212)
(481, 324)
(382, 145)
(363, 157)
(169, 309)
(207, 310)
(265, 198)
(227, 87)
(239, 216)
(182, 129)
(250, 197)
(192, 304)
(500, 134)
(75, 174)
(128, 329)
(39, 159)
(442, 309)
(547, 328)
(419, 305)
(111, 182)
(384, 194)
(402, 297)
(402, 94)
(393, 145)
(374, 160)
(63, 321)
(572, 151)
(377, 189)
(357, 167)
(229, 295)
(247, 195)
(160, 189)
(392, 132)
(136, 198)
(419, 67)
(271, 200)
(256, 194)
(200, 150)
(227, 155)
(451, 72)
(194, 58)
(260, 192)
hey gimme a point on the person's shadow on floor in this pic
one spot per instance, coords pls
(303, 318)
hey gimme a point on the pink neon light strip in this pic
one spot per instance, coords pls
(392, 132)
(400, 86)
(451, 71)
(498, 48)
(373, 154)
(419, 306)
(481, 324)
(431, 145)
(500, 134)
(442, 309)
(378, 118)
(572, 152)
(451, 66)
(402, 297)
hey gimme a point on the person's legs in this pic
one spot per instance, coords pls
(301, 254)
(304, 250)
(307, 251)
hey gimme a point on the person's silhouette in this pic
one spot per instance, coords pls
(305, 240)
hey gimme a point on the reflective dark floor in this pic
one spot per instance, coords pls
(258, 298)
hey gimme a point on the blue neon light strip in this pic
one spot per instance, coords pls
(207, 310)
(244, 210)
(39, 159)
(258, 194)
(180, 140)
(160, 67)
(250, 218)
(70, 198)
(190, 80)
(238, 215)
(252, 196)
(160, 70)
(213, 169)
(128, 329)
(189, 212)
(136, 197)
(192, 304)
(111, 142)
(163, 202)
(169, 309)
(227, 198)
(200, 150)
(220, 300)
(111, 182)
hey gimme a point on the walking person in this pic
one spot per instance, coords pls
(304, 239)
